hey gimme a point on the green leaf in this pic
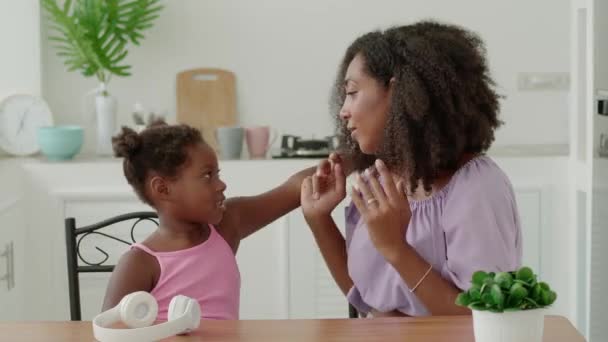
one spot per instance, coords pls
(536, 292)
(548, 297)
(497, 296)
(518, 292)
(486, 298)
(525, 274)
(475, 292)
(479, 277)
(463, 299)
(66, 6)
(504, 280)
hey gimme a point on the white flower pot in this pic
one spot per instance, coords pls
(512, 326)
(105, 107)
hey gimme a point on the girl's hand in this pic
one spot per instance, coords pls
(385, 210)
(323, 191)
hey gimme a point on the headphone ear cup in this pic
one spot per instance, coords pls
(182, 305)
(138, 309)
(177, 307)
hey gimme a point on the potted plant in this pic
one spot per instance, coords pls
(92, 36)
(507, 306)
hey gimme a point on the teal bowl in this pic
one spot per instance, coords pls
(60, 142)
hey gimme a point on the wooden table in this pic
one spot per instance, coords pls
(453, 329)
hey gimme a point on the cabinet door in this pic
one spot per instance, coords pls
(313, 291)
(11, 260)
(529, 203)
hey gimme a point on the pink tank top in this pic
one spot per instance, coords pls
(207, 272)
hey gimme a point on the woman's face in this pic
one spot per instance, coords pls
(366, 106)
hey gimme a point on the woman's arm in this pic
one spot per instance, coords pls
(437, 294)
(333, 248)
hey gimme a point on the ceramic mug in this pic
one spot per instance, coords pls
(230, 141)
(259, 139)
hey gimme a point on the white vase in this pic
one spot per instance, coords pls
(105, 107)
(511, 326)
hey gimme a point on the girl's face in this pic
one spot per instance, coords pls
(366, 106)
(198, 191)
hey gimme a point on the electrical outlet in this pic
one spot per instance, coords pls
(534, 81)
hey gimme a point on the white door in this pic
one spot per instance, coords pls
(598, 254)
(590, 195)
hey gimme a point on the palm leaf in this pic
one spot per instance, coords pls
(93, 35)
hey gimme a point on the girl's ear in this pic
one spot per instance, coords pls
(159, 188)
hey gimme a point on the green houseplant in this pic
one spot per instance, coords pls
(507, 306)
(93, 36)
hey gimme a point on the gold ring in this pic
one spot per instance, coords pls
(372, 200)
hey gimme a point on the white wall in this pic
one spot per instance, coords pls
(20, 53)
(285, 55)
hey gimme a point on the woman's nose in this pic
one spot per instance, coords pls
(344, 113)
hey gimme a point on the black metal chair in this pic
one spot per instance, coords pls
(352, 312)
(74, 236)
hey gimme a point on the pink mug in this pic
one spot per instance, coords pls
(259, 140)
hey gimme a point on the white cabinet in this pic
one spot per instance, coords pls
(12, 247)
(11, 259)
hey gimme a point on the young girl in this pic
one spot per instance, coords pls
(416, 109)
(192, 253)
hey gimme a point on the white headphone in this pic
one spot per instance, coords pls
(138, 310)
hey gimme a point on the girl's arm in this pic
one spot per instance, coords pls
(134, 272)
(246, 215)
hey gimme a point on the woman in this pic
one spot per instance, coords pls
(416, 110)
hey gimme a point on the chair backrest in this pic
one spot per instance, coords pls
(74, 236)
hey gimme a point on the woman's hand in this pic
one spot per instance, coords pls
(386, 211)
(323, 191)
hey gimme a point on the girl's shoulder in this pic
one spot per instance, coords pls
(141, 260)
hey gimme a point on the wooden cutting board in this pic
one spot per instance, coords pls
(206, 99)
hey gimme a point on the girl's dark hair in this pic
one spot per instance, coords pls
(443, 101)
(159, 148)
